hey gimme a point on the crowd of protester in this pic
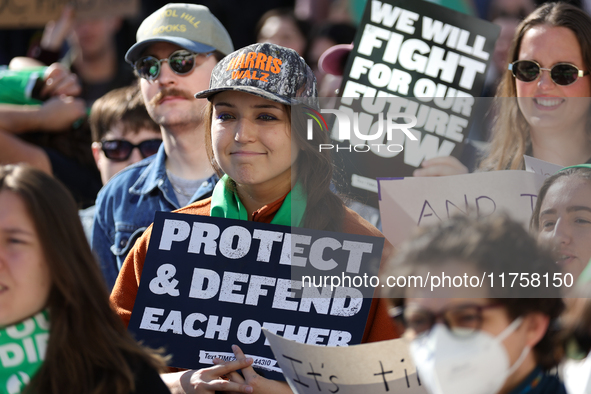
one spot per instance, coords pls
(106, 130)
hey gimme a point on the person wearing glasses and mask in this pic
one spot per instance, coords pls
(177, 47)
(483, 340)
(123, 134)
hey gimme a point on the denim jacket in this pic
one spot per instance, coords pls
(125, 207)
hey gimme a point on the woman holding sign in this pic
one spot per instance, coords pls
(543, 99)
(58, 333)
(549, 75)
(275, 173)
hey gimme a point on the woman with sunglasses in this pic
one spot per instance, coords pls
(543, 101)
(484, 340)
(256, 134)
(58, 333)
(550, 60)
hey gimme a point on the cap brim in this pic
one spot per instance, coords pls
(332, 61)
(134, 53)
(246, 89)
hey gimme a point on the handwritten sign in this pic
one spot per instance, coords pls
(36, 13)
(208, 283)
(408, 88)
(378, 367)
(541, 167)
(406, 203)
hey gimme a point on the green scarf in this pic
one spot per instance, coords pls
(22, 350)
(226, 204)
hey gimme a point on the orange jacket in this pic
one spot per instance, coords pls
(379, 326)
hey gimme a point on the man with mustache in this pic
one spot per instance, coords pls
(177, 47)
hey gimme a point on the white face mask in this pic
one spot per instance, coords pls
(476, 364)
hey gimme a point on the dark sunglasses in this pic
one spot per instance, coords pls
(563, 74)
(181, 62)
(461, 320)
(120, 150)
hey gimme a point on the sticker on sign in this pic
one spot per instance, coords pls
(364, 183)
(206, 357)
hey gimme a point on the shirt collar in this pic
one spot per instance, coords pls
(153, 176)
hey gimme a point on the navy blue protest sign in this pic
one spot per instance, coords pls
(208, 283)
(408, 92)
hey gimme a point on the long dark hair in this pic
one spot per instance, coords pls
(89, 349)
(324, 209)
(511, 138)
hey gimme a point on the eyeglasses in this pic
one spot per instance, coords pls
(181, 62)
(461, 320)
(563, 74)
(120, 150)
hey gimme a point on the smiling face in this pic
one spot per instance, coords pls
(565, 222)
(251, 141)
(24, 275)
(169, 98)
(544, 103)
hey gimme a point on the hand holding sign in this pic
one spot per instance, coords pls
(208, 380)
(209, 282)
(250, 379)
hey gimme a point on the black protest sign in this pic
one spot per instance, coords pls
(36, 13)
(408, 90)
(208, 283)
